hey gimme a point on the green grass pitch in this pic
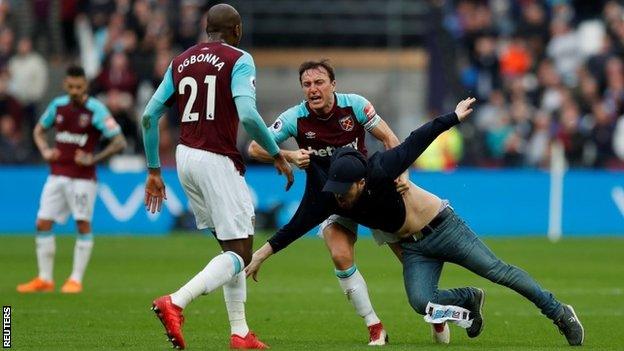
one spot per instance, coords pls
(297, 305)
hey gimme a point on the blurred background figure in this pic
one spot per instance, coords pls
(543, 71)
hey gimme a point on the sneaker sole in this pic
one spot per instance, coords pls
(579, 322)
(170, 338)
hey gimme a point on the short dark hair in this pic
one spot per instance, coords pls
(75, 71)
(316, 64)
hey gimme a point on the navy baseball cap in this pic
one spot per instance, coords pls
(347, 167)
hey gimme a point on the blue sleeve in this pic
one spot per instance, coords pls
(47, 118)
(254, 125)
(364, 112)
(149, 126)
(149, 122)
(396, 160)
(166, 88)
(102, 119)
(244, 77)
(284, 127)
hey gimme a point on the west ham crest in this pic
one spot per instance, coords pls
(347, 123)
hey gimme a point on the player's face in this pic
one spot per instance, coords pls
(348, 199)
(76, 88)
(318, 90)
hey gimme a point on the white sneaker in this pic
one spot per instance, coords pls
(440, 333)
(377, 335)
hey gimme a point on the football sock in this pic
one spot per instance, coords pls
(235, 295)
(217, 272)
(354, 286)
(45, 248)
(82, 253)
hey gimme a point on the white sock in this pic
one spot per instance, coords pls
(235, 295)
(217, 272)
(45, 248)
(354, 286)
(82, 253)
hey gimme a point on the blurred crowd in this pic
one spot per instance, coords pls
(544, 72)
(125, 47)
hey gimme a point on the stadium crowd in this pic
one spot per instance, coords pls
(542, 71)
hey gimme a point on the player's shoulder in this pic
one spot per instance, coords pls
(354, 100)
(94, 104)
(60, 101)
(240, 56)
(296, 112)
(288, 118)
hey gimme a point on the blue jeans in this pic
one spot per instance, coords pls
(453, 241)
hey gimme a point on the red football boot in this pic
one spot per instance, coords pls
(249, 342)
(172, 319)
(377, 335)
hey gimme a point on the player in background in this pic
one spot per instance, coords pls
(213, 84)
(79, 121)
(324, 121)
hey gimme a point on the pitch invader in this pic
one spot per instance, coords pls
(79, 121)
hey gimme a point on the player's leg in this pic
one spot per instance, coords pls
(52, 206)
(235, 295)
(421, 275)
(470, 252)
(82, 200)
(340, 236)
(219, 199)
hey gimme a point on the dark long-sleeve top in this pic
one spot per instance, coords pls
(380, 206)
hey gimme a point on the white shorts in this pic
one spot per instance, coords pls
(218, 194)
(63, 195)
(380, 236)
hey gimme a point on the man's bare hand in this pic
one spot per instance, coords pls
(301, 158)
(155, 192)
(283, 167)
(253, 268)
(50, 155)
(84, 159)
(463, 108)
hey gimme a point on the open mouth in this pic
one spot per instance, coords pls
(315, 99)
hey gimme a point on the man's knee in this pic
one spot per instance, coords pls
(419, 302)
(343, 259)
(43, 225)
(84, 227)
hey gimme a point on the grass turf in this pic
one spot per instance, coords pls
(297, 304)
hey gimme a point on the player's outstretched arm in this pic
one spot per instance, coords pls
(300, 157)
(255, 127)
(384, 134)
(257, 259)
(155, 192)
(397, 160)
